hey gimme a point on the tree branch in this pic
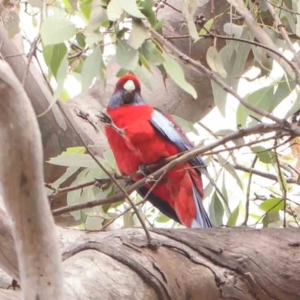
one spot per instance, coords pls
(283, 32)
(262, 36)
(175, 161)
(22, 178)
(211, 75)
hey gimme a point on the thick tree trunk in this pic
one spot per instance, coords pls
(224, 263)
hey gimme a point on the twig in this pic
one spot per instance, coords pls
(172, 7)
(282, 8)
(231, 38)
(185, 157)
(283, 32)
(283, 188)
(202, 69)
(59, 191)
(120, 215)
(30, 56)
(248, 190)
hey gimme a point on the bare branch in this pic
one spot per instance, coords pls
(172, 162)
(283, 32)
(211, 75)
(22, 178)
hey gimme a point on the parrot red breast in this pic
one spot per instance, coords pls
(149, 136)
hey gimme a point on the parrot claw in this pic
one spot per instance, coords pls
(143, 170)
(106, 119)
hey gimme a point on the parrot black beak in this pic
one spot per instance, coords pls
(128, 97)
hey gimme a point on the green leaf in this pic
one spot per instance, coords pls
(58, 54)
(214, 61)
(151, 53)
(233, 29)
(97, 16)
(162, 218)
(86, 7)
(74, 196)
(130, 6)
(56, 30)
(266, 98)
(186, 125)
(188, 8)
(140, 73)
(92, 38)
(114, 10)
(69, 172)
(147, 10)
(93, 223)
(74, 150)
(294, 108)
(176, 74)
(91, 68)
(216, 210)
(234, 216)
(272, 205)
(64, 96)
(109, 157)
(138, 34)
(230, 169)
(127, 57)
(264, 155)
(144, 62)
(75, 160)
(80, 39)
(207, 26)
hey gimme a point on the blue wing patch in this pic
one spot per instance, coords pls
(175, 135)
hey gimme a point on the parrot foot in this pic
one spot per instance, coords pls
(143, 170)
(106, 119)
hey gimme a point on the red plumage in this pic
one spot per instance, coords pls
(145, 145)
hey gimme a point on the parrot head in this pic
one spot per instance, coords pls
(127, 92)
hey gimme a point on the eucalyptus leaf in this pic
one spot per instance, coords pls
(97, 16)
(114, 10)
(234, 216)
(175, 72)
(214, 61)
(230, 169)
(151, 53)
(140, 73)
(127, 57)
(93, 223)
(58, 54)
(130, 6)
(272, 205)
(56, 30)
(233, 29)
(216, 210)
(264, 155)
(186, 125)
(147, 10)
(188, 8)
(75, 160)
(91, 68)
(138, 34)
(266, 98)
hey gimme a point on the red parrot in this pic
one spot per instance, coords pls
(149, 136)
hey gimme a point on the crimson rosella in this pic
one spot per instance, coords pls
(149, 136)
